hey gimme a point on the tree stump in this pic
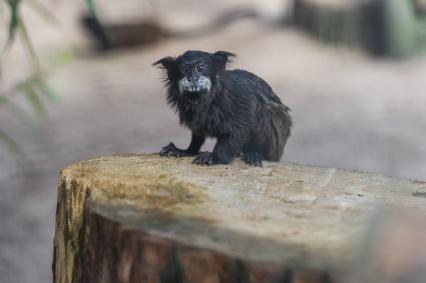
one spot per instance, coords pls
(334, 21)
(142, 218)
(382, 27)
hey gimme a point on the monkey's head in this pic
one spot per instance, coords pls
(194, 72)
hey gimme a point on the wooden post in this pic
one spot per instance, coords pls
(142, 218)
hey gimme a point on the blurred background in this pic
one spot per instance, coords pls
(76, 82)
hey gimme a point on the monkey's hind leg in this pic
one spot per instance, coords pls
(252, 155)
(252, 159)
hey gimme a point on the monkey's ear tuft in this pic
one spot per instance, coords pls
(169, 65)
(165, 62)
(222, 58)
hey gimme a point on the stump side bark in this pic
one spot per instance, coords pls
(142, 218)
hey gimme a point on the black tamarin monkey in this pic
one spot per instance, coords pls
(235, 106)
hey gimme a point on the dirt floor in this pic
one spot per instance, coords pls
(349, 111)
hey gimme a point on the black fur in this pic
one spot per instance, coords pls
(239, 109)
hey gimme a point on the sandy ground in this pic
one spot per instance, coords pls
(349, 111)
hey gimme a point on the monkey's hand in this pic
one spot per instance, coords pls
(171, 150)
(205, 158)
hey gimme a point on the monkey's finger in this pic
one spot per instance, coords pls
(164, 151)
(198, 161)
(167, 150)
(172, 153)
(255, 162)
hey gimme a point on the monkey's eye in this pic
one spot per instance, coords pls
(185, 69)
(200, 68)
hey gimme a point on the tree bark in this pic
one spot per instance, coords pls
(142, 218)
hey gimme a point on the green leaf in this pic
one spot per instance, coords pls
(38, 82)
(29, 46)
(48, 91)
(45, 88)
(92, 9)
(28, 89)
(34, 100)
(63, 56)
(11, 145)
(17, 110)
(43, 11)
(14, 6)
(94, 14)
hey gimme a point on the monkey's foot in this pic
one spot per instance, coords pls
(252, 159)
(205, 158)
(171, 150)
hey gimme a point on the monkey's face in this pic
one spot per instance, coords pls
(194, 72)
(195, 77)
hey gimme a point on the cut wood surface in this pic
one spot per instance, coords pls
(142, 218)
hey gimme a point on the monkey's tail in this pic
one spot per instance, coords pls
(280, 125)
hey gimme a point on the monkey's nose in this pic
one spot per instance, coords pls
(193, 80)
